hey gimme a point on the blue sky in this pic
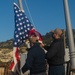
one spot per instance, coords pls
(46, 14)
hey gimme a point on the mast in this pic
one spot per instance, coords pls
(21, 7)
(20, 4)
(70, 34)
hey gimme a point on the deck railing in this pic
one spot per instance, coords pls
(4, 69)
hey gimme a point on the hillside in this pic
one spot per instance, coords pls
(6, 47)
(7, 44)
(6, 50)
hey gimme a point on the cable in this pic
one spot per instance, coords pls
(29, 12)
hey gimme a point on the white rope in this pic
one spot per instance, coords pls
(29, 12)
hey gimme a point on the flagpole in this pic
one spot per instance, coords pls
(20, 4)
(21, 7)
(22, 55)
(70, 34)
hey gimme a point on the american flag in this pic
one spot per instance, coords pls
(22, 27)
